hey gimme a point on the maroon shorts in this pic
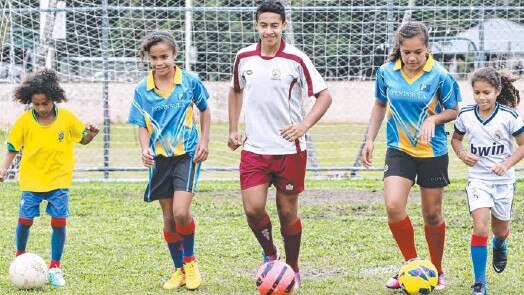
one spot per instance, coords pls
(286, 172)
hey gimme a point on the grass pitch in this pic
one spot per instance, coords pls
(115, 243)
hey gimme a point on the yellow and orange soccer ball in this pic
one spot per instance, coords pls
(418, 276)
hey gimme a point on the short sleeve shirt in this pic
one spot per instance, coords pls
(491, 139)
(48, 154)
(273, 88)
(411, 101)
(169, 118)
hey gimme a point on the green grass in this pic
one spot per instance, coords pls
(115, 245)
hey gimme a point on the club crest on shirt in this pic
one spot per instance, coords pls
(424, 87)
(275, 74)
(498, 135)
(249, 72)
(60, 136)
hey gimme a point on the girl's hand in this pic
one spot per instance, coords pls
(468, 158)
(92, 129)
(366, 157)
(500, 169)
(147, 157)
(202, 151)
(427, 130)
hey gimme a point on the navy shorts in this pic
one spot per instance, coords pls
(171, 174)
(427, 172)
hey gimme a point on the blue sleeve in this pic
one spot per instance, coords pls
(380, 86)
(136, 113)
(450, 92)
(200, 94)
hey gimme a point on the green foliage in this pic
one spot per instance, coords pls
(115, 243)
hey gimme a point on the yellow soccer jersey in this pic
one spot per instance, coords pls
(48, 155)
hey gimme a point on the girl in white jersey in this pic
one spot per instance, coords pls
(490, 124)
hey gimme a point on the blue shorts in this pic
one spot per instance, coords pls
(57, 204)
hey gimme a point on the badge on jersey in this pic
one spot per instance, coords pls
(275, 74)
(424, 87)
(60, 136)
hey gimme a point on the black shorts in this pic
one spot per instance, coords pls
(428, 172)
(171, 174)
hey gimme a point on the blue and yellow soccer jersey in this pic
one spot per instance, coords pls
(411, 101)
(48, 156)
(169, 116)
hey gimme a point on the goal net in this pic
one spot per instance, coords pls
(94, 46)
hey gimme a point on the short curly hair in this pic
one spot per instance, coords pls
(43, 81)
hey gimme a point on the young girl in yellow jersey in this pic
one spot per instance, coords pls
(47, 134)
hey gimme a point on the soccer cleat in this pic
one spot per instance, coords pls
(298, 281)
(193, 276)
(269, 258)
(56, 277)
(393, 282)
(177, 280)
(500, 257)
(441, 282)
(478, 288)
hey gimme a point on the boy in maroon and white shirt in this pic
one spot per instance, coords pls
(269, 79)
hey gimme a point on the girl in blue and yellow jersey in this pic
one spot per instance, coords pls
(47, 134)
(418, 96)
(163, 111)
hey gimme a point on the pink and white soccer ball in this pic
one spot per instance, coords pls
(28, 271)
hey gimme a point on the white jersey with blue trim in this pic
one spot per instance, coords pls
(491, 139)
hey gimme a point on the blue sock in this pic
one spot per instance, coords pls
(176, 251)
(498, 243)
(189, 245)
(58, 237)
(479, 257)
(188, 233)
(22, 235)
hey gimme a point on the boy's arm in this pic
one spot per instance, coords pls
(234, 107)
(92, 131)
(9, 157)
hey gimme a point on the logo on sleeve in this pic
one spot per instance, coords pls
(61, 136)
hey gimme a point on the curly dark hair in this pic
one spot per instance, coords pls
(154, 38)
(271, 6)
(503, 80)
(407, 31)
(43, 81)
